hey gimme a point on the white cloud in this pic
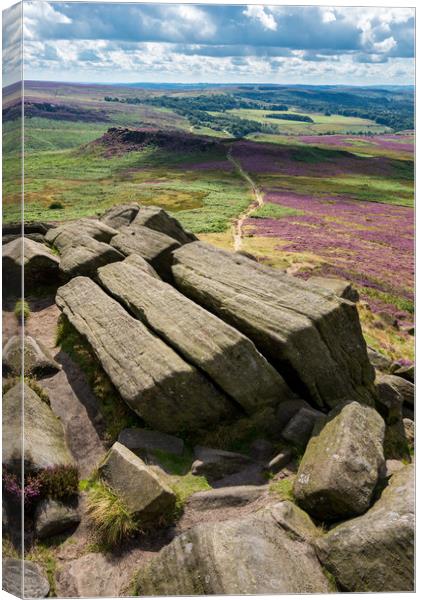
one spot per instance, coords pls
(328, 16)
(41, 13)
(385, 46)
(259, 13)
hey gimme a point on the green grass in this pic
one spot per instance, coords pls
(110, 518)
(117, 415)
(283, 488)
(22, 311)
(400, 303)
(321, 123)
(274, 211)
(187, 485)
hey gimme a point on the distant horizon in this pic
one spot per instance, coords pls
(209, 84)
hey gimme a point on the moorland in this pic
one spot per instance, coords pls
(218, 339)
(333, 167)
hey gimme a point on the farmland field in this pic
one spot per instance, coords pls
(337, 205)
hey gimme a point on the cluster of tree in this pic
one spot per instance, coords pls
(392, 108)
(235, 126)
(197, 110)
(291, 117)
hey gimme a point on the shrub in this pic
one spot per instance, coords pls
(110, 516)
(60, 482)
(56, 206)
(22, 310)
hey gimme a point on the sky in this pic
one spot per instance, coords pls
(122, 43)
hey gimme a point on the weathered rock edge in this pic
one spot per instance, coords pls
(226, 355)
(313, 338)
(167, 392)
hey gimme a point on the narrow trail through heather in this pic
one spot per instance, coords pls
(237, 227)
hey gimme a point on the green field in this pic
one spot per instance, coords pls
(322, 123)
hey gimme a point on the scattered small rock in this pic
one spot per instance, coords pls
(226, 497)
(37, 359)
(378, 360)
(342, 462)
(299, 428)
(279, 461)
(92, 575)
(216, 464)
(145, 494)
(375, 552)
(409, 427)
(142, 441)
(261, 449)
(53, 517)
(35, 583)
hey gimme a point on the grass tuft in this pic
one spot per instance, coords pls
(109, 515)
(22, 310)
(283, 488)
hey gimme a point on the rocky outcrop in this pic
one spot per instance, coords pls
(264, 553)
(158, 219)
(85, 255)
(312, 337)
(67, 234)
(44, 444)
(228, 357)
(406, 372)
(375, 552)
(144, 493)
(53, 517)
(167, 392)
(216, 464)
(342, 462)
(151, 245)
(340, 287)
(39, 263)
(33, 584)
(38, 361)
(120, 216)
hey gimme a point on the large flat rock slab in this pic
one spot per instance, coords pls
(375, 552)
(342, 463)
(93, 575)
(167, 392)
(312, 337)
(84, 255)
(153, 246)
(158, 219)
(227, 356)
(263, 553)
